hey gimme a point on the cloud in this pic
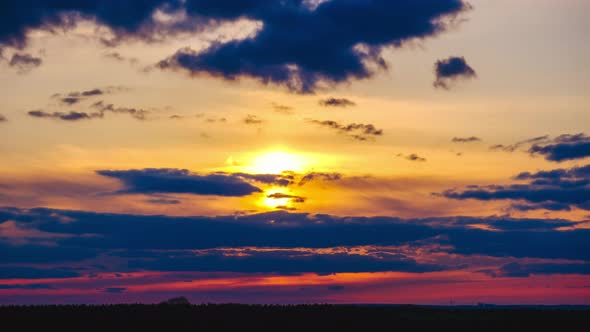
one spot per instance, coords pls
(285, 243)
(136, 113)
(118, 57)
(125, 18)
(27, 286)
(298, 45)
(466, 139)
(179, 181)
(358, 131)
(523, 270)
(3, 118)
(24, 62)
(564, 147)
(415, 157)
(69, 116)
(252, 120)
(291, 198)
(449, 70)
(282, 109)
(555, 190)
(108, 233)
(315, 176)
(284, 179)
(164, 201)
(518, 145)
(336, 102)
(77, 96)
(17, 272)
(304, 48)
(115, 290)
(252, 260)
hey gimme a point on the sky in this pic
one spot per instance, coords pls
(295, 151)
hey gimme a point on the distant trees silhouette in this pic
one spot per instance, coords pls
(178, 314)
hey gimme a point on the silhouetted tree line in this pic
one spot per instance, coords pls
(238, 317)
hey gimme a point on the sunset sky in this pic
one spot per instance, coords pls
(295, 151)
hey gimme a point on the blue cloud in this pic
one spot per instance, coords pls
(180, 181)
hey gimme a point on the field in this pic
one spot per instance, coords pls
(233, 317)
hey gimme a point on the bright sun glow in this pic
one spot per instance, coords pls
(275, 202)
(276, 162)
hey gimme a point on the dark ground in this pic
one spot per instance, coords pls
(290, 318)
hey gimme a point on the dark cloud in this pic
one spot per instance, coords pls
(556, 190)
(450, 70)
(300, 46)
(115, 290)
(3, 118)
(518, 145)
(283, 261)
(75, 97)
(136, 113)
(415, 157)
(252, 120)
(118, 57)
(180, 181)
(106, 233)
(69, 116)
(318, 176)
(291, 198)
(466, 139)
(27, 286)
(304, 48)
(520, 270)
(164, 201)
(337, 102)
(564, 147)
(125, 18)
(283, 179)
(24, 62)
(18, 272)
(32, 253)
(358, 131)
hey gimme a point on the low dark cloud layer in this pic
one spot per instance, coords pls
(523, 270)
(277, 242)
(358, 131)
(450, 70)
(555, 190)
(336, 102)
(180, 181)
(277, 261)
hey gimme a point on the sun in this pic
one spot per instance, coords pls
(276, 162)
